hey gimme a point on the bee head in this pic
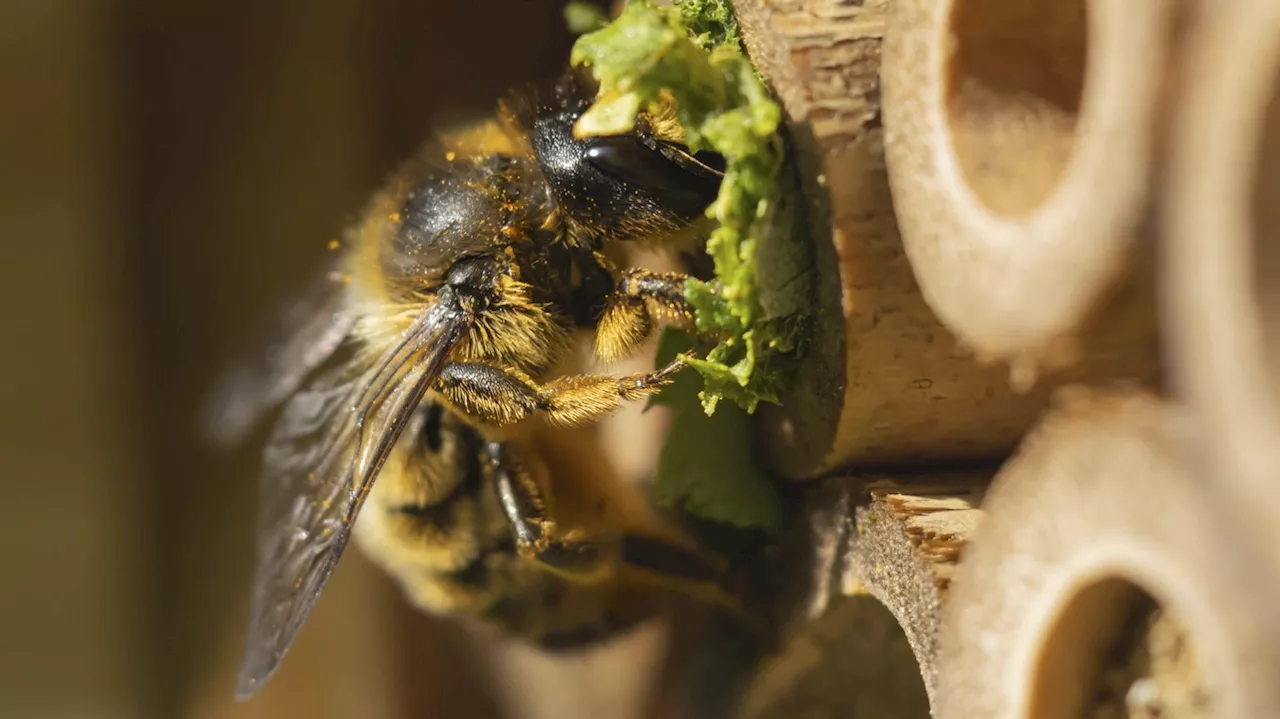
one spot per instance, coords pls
(617, 186)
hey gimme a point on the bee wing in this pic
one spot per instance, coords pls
(301, 336)
(320, 463)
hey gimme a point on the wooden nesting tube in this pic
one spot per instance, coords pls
(1019, 139)
(908, 539)
(884, 382)
(1222, 251)
(1105, 575)
(863, 639)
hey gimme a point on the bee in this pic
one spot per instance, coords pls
(429, 358)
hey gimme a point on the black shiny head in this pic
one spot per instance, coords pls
(618, 186)
(462, 209)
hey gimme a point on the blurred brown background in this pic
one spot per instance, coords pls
(170, 170)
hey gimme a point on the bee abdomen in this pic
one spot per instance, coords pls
(470, 589)
(439, 519)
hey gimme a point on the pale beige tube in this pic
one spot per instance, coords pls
(876, 566)
(1221, 275)
(884, 382)
(904, 549)
(1098, 507)
(1019, 139)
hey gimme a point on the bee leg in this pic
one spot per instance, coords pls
(640, 298)
(583, 556)
(503, 397)
(574, 554)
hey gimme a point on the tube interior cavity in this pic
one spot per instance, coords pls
(1014, 91)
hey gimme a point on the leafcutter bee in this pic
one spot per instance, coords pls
(426, 359)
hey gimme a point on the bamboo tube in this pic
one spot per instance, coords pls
(1222, 310)
(1019, 138)
(1095, 515)
(875, 565)
(904, 551)
(861, 639)
(851, 660)
(885, 382)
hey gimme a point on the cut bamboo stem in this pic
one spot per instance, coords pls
(904, 552)
(877, 565)
(884, 382)
(1019, 138)
(1097, 514)
(1222, 268)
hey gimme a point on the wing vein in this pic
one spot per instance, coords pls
(333, 439)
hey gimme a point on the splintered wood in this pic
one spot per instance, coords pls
(907, 540)
(935, 525)
(861, 642)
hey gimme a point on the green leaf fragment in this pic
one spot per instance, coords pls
(691, 55)
(707, 466)
(740, 494)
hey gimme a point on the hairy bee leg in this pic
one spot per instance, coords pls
(503, 397)
(583, 556)
(640, 298)
(592, 557)
(573, 554)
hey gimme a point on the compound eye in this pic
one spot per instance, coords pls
(656, 165)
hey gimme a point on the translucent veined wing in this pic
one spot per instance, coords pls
(302, 334)
(327, 449)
